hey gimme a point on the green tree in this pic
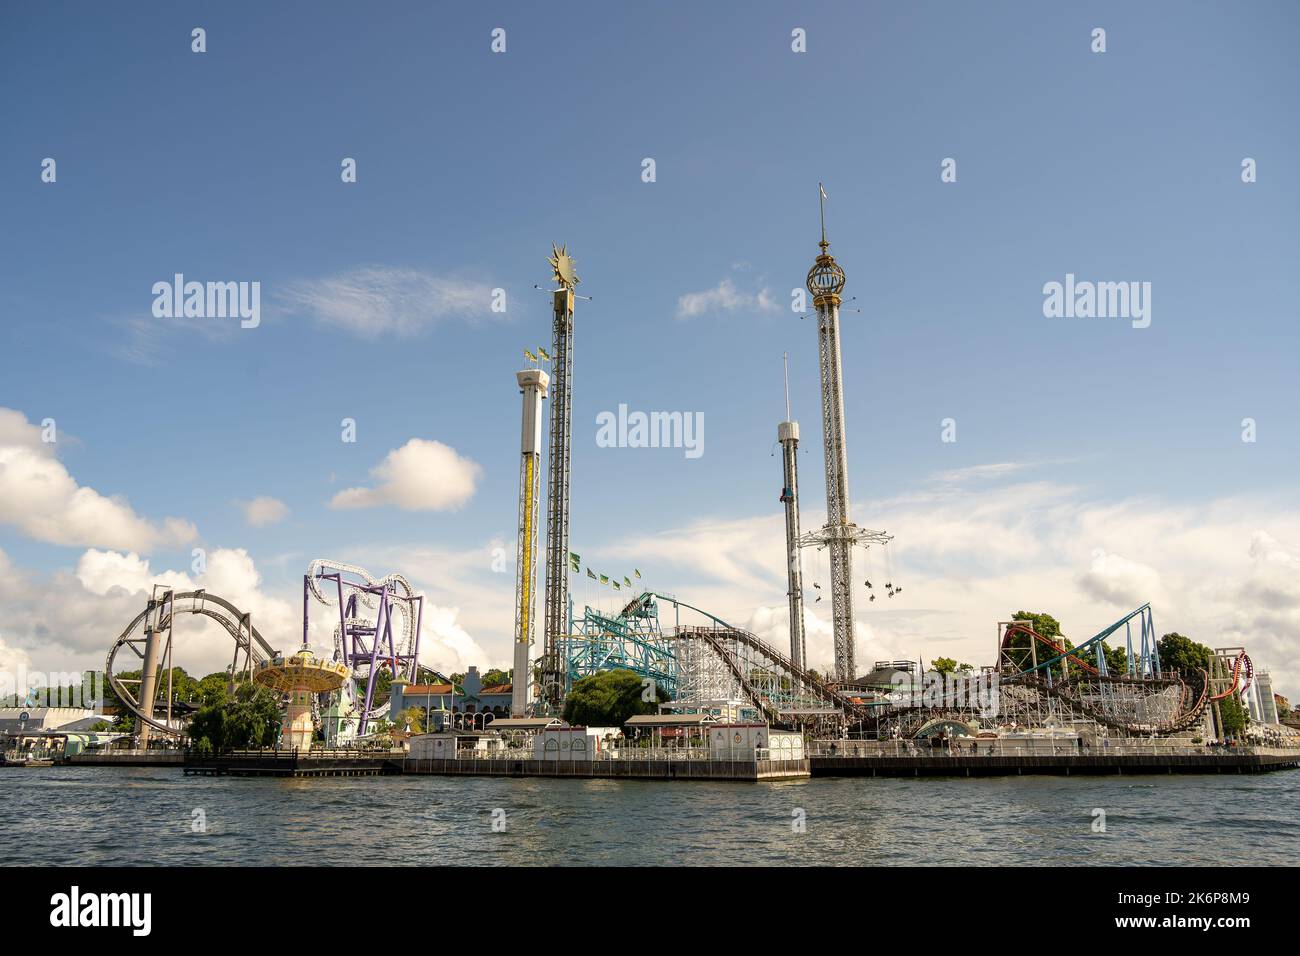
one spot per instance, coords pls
(1187, 657)
(496, 676)
(1046, 626)
(608, 699)
(947, 665)
(1233, 716)
(412, 717)
(1116, 659)
(213, 689)
(249, 717)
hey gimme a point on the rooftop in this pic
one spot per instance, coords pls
(669, 720)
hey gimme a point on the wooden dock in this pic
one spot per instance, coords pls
(289, 763)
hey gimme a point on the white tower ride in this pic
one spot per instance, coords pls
(787, 433)
(533, 383)
(840, 534)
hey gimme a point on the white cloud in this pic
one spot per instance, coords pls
(66, 621)
(724, 297)
(422, 475)
(263, 510)
(961, 476)
(41, 499)
(377, 300)
(967, 559)
(1115, 579)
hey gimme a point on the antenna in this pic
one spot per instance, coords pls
(787, 386)
(821, 203)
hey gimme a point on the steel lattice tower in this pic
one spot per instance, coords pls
(557, 489)
(840, 534)
(787, 433)
(533, 383)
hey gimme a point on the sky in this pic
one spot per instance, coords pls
(1097, 464)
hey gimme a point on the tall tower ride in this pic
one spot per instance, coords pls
(533, 383)
(840, 534)
(557, 488)
(787, 433)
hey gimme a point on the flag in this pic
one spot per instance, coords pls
(627, 580)
(591, 574)
(542, 352)
(822, 190)
(637, 573)
(616, 586)
(574, 562)
(604, 579)
(530, 356)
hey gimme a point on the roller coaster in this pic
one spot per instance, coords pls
(704, 667)
(710, 667)
(368, 646)
(149, 638)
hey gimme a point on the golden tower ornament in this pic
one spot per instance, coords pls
(562, 265)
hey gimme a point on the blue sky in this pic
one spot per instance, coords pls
(225, 166)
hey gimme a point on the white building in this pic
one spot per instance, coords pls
(754, 741)
(573, 743)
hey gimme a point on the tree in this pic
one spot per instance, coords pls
(412, 717)
(1045, 626)
(609, 699)
(1187, 657)
(250, 717)
(496, 676)
(946, 665)
(1233, 716)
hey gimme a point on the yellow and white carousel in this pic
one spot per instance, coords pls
(299, 676)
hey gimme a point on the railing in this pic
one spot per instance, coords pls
(619, 754)
(1031, 748)
(274, 753)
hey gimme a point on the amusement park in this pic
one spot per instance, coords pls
(694, 686)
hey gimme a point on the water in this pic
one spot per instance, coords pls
(100, 816)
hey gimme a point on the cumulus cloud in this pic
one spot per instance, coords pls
(968, 558)
(375, 300)
(724, 297)
(422, 475)
(40, 498)
(264, 510)
(67, 620)
(1117, 580)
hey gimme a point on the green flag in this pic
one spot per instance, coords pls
(627, 580)
(604, 579)
(574, 561)
(616, 585)
(637, 573)
(591, 574)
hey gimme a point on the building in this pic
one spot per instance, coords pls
(435, 701)
(453, 745)
(574, 743)
(754, 742)
(446, 705)
(1263, 705)
(15, 720)
(883, 681)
